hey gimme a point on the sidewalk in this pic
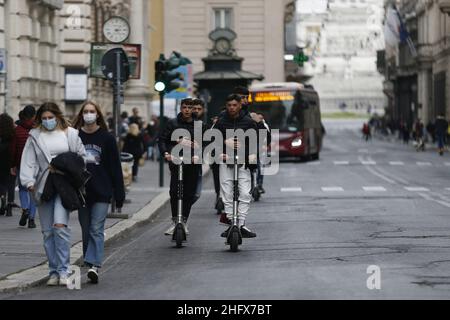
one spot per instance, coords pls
(412, 143)
(22, 248)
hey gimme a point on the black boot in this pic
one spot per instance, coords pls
(24, 218)
(2, 206)
(31, 224)
(9, 210)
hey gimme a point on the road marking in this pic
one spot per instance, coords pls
(368, 163)
(375, 189)
(447, 163)
(448, 189)
(332, 189)
(341, 163)
(313, 163)
(291, 190)
(397, 163)
(428, 197)
(416, 189)
(423, 163)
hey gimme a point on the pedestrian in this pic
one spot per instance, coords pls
(366, 131)
(418, 132)
(151, 132)
(441, 127)
(105, 185)
(235, 118)
(6, 160)
(134, 144)
(25, 124)
(198, 114)
(191, 170)
(51, 138)
(136, 118)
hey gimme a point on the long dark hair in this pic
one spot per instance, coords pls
(63, 123)
(79, 121)
(6, 127)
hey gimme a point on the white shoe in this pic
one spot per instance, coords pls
(93, 275)
(170, 231)
(63, 281)
(53, 281)
(185, 225)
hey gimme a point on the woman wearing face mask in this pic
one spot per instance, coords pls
(52, 137)
(103, 162)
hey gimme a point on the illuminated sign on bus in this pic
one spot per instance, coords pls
(271, 96)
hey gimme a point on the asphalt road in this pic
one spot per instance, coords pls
(320, 226)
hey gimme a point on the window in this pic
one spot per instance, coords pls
(223, 18)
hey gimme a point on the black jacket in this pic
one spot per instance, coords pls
(165, 142)
(244, 122)
(441, 126)
(67, 178)
(134, 145)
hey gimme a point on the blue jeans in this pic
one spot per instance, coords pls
(92, 220)
(56, 240)
(441, 141)
(27, 201)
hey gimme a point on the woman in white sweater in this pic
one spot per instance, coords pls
(52, 137)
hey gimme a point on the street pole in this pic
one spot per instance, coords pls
(162, 125)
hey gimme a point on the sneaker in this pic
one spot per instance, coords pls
(261, 190)
(170, 231)
(225, 233)
(247, 233)
(31, 224)
(224, 220)
(63, 281)
(93, 275)
(24, 218)
(53, 280)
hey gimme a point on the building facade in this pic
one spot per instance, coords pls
(418, 86)
(342, 39)
(30, 36)
(259, 25)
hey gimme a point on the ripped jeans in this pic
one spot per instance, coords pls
(57, 241)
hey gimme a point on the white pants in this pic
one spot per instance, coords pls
(226, 191)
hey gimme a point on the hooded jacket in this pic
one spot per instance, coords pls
(36, 159)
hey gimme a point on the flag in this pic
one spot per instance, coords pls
(405, 36)
(395, 31)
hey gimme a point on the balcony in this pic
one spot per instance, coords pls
(444, 5)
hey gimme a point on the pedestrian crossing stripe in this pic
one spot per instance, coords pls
(397, 163)
(368, 163)
(424, 163)
(291, 189)
(374, 189)
(447, 163)
(341, 163)
(416, 189)
(313, 163)
(332, 189)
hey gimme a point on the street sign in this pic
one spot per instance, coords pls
(76, 85)
(2, 60)
(110, 65)
(133, 52)
(185, 89)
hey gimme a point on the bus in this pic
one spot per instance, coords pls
(293, 109)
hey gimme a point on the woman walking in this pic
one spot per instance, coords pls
(134, 144)
(51, 137)
(106, 183)
(6, 160)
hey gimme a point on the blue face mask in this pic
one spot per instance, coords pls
(49, 124)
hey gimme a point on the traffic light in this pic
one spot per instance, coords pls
(167, 80)
(300, 58)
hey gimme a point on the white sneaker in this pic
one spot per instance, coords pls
(185, 225)
(63, 281)
(170, 231)
(93, 275)
(53, 281)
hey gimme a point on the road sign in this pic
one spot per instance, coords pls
(110, 65)
(133, 52)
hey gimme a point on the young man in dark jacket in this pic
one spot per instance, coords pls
(185, 121)
(235, 118)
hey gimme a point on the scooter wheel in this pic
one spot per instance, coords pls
(179, 236)
(234, 241)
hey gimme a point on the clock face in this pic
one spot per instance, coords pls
(116, 30)
(223, 45)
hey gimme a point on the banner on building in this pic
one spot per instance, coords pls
(2, 61)
(133, 52)
(186, 88)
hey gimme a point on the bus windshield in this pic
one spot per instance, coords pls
(279, 108)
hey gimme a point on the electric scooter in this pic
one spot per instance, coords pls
(179, 234)
(234, 239)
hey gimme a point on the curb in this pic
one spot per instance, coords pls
(35, 276)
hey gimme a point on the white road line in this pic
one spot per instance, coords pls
(368, 163)
(313, 163)
(396, 163)
(341, 163)
(447, 164)
(423, 163)
(375, 189)
(448, 189)
(428, 197)
(291, 190)
(332, 189)
(416, 189)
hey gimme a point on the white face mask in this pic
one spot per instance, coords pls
(90, 118)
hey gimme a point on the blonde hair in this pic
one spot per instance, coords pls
(134, 129)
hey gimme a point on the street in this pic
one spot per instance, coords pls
(320, 226)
